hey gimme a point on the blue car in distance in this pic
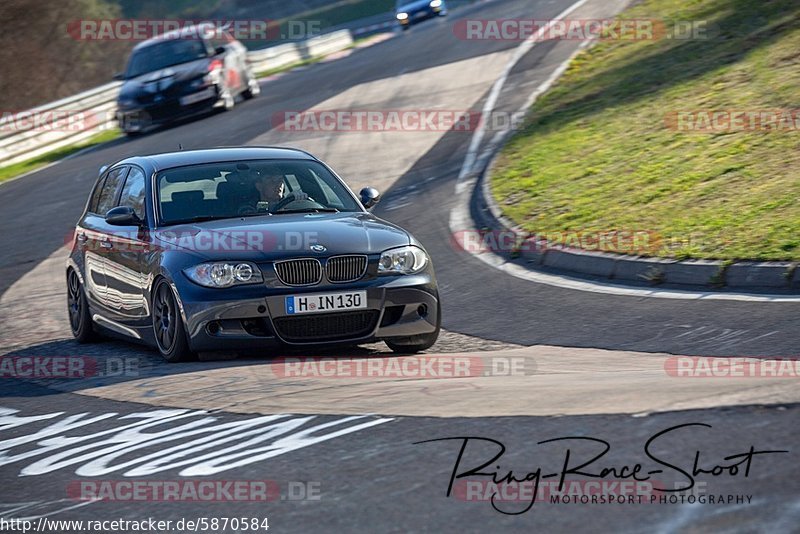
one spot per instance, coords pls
(408, 12)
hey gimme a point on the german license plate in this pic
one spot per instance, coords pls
(326, 302)
(197, 97)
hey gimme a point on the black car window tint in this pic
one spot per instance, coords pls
(165, 54)
(96, 195)
(133, 192)
(111, 187)
(292, 181)
(330, 197)
(309, 183)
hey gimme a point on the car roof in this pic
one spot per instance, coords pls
(190, 32)
(169, 160)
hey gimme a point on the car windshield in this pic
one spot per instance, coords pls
(165, 54)
(249, 188)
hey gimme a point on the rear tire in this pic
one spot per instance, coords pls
(253, 89)
(168, 328)
(80, 321)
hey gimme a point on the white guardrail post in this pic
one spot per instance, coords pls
(32, 133)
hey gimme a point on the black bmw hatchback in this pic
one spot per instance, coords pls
(240, 249)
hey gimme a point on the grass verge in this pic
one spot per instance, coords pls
(597, 154)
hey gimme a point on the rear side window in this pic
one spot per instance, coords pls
(109, 190)
(133, 192)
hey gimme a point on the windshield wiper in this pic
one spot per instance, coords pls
(198, 218)
(308, 210)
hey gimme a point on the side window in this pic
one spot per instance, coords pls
(96, 195)
(133, 192)
(220, 38)
(108, 193)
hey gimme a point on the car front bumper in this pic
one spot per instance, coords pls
(422, 14)
(397, 307)
(142, 116)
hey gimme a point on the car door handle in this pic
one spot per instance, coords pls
(105, 244)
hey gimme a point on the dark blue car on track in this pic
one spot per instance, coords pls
(244, 248)
(408, 12)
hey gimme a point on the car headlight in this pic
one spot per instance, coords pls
(435, 3)
(402, 16)
(403, 260)
(218, 275)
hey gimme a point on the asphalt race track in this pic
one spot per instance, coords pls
(344, 453)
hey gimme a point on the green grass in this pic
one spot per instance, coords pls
(12, 171)
(596, 154)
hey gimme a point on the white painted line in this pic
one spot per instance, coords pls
(491, 100)
(461, 219)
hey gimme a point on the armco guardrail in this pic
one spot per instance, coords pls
(93, 111)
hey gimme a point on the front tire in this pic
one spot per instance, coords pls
(80, 321)
(228, 100)
(418, 343)
(168, 328)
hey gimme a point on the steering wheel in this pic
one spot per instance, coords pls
(291, 197)
(247, 210)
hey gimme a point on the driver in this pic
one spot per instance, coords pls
(271, 189)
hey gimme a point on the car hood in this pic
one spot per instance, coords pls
(163, 79)
(413, 6)
(284, 236)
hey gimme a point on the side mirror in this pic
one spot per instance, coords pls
(219, 50)
(120, 76)
(123, 216)
(369, 197)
